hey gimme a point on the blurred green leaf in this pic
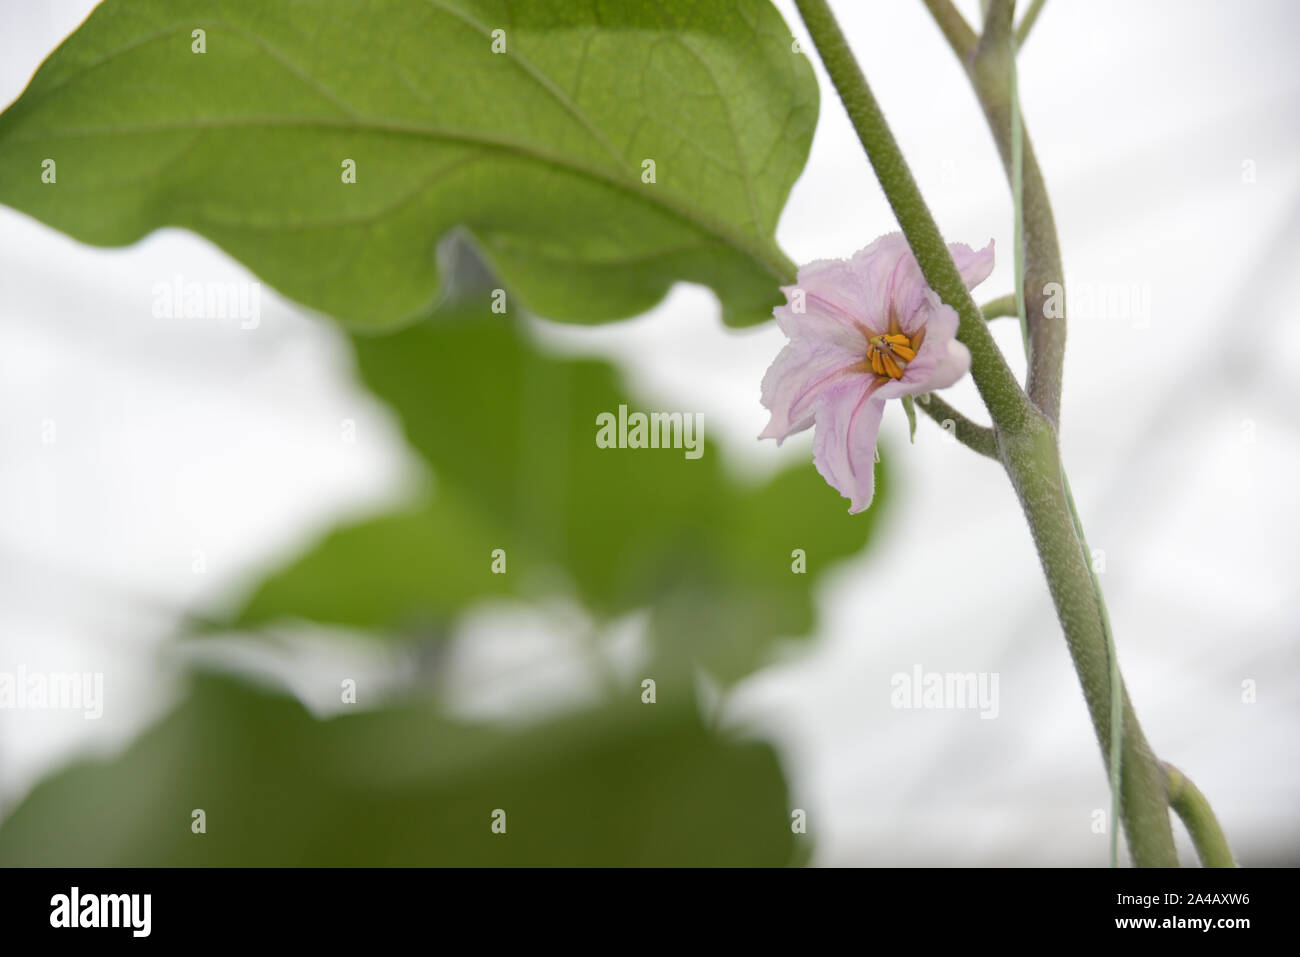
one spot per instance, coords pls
(510, 433)
(410, 571)
(538, 150)
(640, 785)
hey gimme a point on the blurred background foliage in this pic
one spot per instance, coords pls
(628, 785)
(538, 167)
(507, 432)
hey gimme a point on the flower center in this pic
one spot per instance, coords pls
(890, 354)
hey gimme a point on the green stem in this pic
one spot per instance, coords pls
(990, 71)
(1028, 21)
(955, 29)
(1000, 307)
(993, 377)
(1116, 681)
(978, 438)
(1018, 202)
(1190, 804)
(1116, 712)
(1026, 442)
(987, 61)
(1033, 461)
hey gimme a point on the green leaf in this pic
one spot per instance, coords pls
(638, 785)
(537, 151)
(405, 571)
(509, 432)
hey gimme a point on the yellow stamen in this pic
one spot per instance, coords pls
(889, 354)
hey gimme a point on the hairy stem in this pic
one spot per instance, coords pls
(1025, 435)
(978, 438)
(1044, 282)
(988, 60)
(1018, 202)
(1033, 461)
(1001, 307)
(993, 377)
(1116, 680)
(1116, 752)
(1190, 804)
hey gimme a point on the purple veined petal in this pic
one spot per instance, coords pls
(881, 270)
(800, 374)
(844, 448)
(910, 292)
(830, 302)
(886, 389)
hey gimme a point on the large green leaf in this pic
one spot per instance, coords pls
(538, 150)
(510, 433)
(637, 785)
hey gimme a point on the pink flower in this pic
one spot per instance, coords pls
(862, 330)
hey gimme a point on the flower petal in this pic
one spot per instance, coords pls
(887, 275)
(801, 372)
(940, 319)
(952, 366)
(831, 309)
(973, 264)
(909, 293)
(821, 376)
(940, 324)
(844, 448)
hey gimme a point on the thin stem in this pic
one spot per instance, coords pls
(1116, 759)
(993, 377)
(1027, 22)
(1018, 204)
(979, 438)
(999, 308)
(955, 29)
(987, 60)
(1194, 810)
